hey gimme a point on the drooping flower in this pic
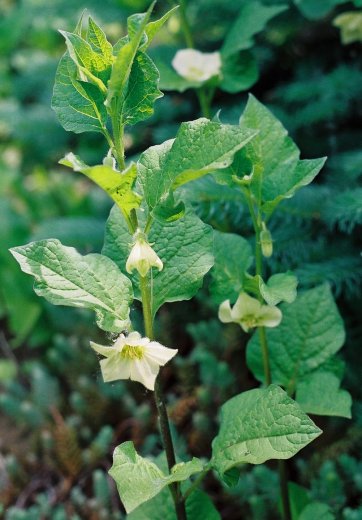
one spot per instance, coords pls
(248, 312)
(142, 257)
(195, 65)
(133, 357)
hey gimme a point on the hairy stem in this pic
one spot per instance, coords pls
(160, 404)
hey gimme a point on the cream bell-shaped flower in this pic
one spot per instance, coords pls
(195, 65)
(248, 312)
(142, 257)
(133, 357)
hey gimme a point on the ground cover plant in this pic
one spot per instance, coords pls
(213, 215)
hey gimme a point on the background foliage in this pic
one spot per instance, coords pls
(59, 422)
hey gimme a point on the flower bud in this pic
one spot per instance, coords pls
(142, 257)
(266, 241)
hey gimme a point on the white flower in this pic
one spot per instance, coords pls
(133, 357)
(195, 65)
(248, 312)
(142, 257)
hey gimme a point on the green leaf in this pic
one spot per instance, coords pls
(98, 41)
(162, 507)
(281, 287)
(298, 497)
(350, 24)
(239, 72)
(316, 510)
(200, 147)
(139, 479)
(233, 256)
(319, 394)
(122, 66)
(253, 17)
(278, 171)
(79, 105)
(92, 67)
(142, 91)
(260, 425)
(314, 10)
(117, 184)
(152, 28)
(310, 333)
(65, 277)
(184, 246)
(8, 370)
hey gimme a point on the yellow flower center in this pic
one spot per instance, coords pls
(250, 320)
(132, 353)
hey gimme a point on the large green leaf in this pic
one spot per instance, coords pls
(139, 479)
(316, 510)
(253, 17)
(79, 105)
(117, 184)
(239, 72)
(233, 256)
(142, 90)
(65, 277)
(274, 158)
(200, 147)
(184, 246)
(314, 10)
(259, 425)
(310, 333)
(319, 394)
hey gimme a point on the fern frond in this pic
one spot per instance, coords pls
(343, 273)
(344, 210)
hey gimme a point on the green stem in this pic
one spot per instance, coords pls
(256, 219)
(160, 404)
(185, 26)
(204, 102)
(118, 131)
(284, 491)
(204, 99)
(196, 483)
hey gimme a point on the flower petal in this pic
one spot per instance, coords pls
(104, 351)
(158, 353)
(269, 316)
(225, 312)
(135, 340)
(245, 305)
(114, 368)
(144, 373)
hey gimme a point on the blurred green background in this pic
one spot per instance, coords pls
(59, 422)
